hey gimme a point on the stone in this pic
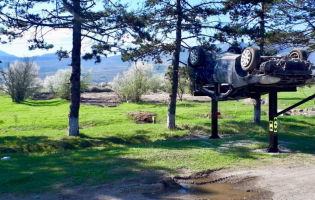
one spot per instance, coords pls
(249, 101)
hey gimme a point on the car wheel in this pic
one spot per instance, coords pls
(298, 54)
(250, 59)
(235, 50)
(196, 56)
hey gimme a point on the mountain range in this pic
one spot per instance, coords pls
(101, 72)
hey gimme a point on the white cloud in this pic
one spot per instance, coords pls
(19, 47)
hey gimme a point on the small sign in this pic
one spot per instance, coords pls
(275, 124)
(270, 125)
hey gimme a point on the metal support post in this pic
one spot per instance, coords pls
(257, 109)
(214, 113)
(214, 119)
(273, 123)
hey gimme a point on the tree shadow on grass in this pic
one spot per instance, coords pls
(295, 137)
(297, 122)
(29, 173)
(40, 103)
(31, 144)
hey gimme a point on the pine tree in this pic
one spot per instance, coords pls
(104, 28)
(297, 17)
(253, 19)
(169, 25)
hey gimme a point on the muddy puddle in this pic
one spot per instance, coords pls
(205, 188)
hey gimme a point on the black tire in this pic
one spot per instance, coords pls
(196, 56)
(236, 50)
(250, 59)
(298, 54)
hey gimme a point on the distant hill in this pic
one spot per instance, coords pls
(101, 72)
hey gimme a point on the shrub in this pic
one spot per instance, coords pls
(20, 80)
(133, 83)
(60, 83)
(99, 89)
(156, 83)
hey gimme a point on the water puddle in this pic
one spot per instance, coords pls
(204, 189)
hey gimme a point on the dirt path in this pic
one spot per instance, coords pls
(285, 183)
(111, 99)
(272, 182)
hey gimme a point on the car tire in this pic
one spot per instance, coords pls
(250, 59)
(196, 56)
(298, 54)
(235, 50)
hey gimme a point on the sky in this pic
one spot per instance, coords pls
(59, 38)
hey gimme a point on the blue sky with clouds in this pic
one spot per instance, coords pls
(61, 38)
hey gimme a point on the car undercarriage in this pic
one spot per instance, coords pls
(229, 76)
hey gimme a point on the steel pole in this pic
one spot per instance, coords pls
(273, 123)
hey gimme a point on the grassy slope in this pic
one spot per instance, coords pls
(33, 134)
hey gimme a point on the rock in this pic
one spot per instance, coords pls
(6, 158)
(182, 191)
(249, 101)
(265, 101)
(185, 186)
(169, 183)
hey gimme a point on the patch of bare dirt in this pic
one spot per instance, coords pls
(143, 117)
(220, 116)
(303, 112)
(99, 89)
(109, 99)
(195, 136)
(43, 96)
(159, 98)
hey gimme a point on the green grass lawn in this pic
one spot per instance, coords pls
(111, 145)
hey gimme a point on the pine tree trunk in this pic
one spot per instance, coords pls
(76, 72)
(257, 106)
(172, 103)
